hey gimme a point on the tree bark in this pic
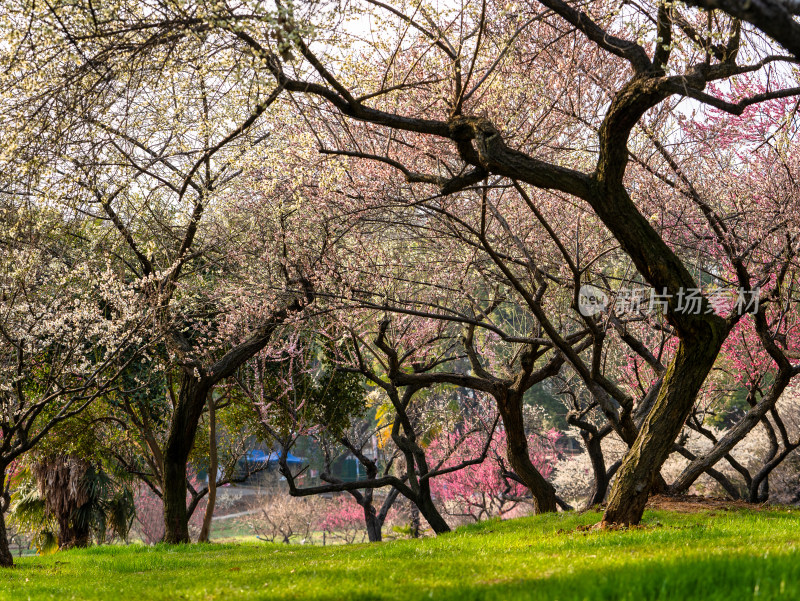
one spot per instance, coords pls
(544, 495)
(186, 416)
(684, 377)
(6, 559)
(597, 495)
(429, 511)
(374, 533)
(213, 462)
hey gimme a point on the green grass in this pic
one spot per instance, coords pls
(724, 556)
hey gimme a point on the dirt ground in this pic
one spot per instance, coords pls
(694, 503)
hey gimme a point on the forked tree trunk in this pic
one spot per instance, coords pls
(373, 519)
(544, 495)
(186, 416)
(661, 427)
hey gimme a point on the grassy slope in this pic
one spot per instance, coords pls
(727, 556)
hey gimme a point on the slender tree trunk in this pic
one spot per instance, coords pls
(6, 559)
(422, 491)
(185, 419)
(544, 495)
(759, 486)
(213, 460)
(372, 520)
(661, 427)
(760, 493)
(601, 478)
(415, 525)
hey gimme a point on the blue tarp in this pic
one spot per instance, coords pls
(259, 456)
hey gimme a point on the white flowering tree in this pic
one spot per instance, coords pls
(145, 134)
(68, 328)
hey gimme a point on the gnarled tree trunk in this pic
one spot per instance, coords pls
(661, 427)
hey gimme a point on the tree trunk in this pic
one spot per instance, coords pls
(597, 495)
(205, 531)
(373, 524)
(6, 559)
(429, 511)
(415, 526)
(759, 486)
(759, 490)
(544, 495)
(185, 419)
(661, 427)
(423, 501)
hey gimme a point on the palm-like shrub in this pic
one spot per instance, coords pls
(66, 501)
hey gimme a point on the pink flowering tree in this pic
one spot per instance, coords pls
(752, 161)
(343, 519)
(486, 490)
(471, 113)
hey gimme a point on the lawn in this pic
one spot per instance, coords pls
(722, 555)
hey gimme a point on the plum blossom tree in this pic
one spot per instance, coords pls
(148, 153)
(485, 490)
(416, 412)
(657, 55)
(69, 328)
(522, 126)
